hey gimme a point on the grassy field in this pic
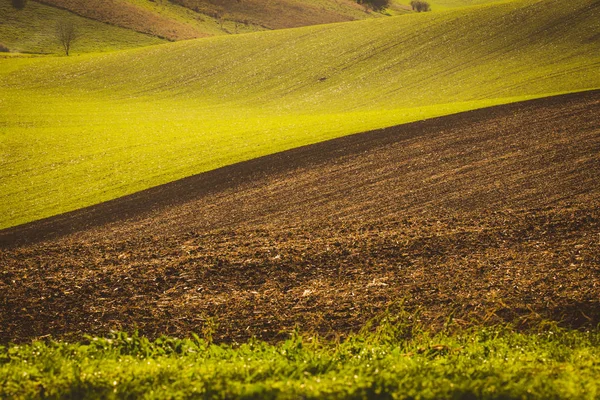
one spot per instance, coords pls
(82, 130)
(32, 30)
(390, 363)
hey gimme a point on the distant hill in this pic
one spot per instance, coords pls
(279, 14)
(32, 30)
(156, 18)
(119, 24)
(187, 19)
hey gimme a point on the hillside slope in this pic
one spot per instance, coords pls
(187, 19)
(162, 19)
(84, 130)
(105, 25)
(491, 215)
(32, 30)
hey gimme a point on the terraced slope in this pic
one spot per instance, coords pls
(83, 130)
(32, 30)
(492, 215)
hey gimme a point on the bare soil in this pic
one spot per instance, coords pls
(489, 216)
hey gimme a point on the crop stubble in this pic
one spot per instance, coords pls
(491, 215)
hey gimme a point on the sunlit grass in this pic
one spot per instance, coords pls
(397, 362)
(80, 130)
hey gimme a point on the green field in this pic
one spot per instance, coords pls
(392, 363)
(81, 130)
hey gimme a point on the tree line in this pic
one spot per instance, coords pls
(378, 5)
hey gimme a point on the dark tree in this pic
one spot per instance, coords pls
(66, 33)
(376, 5)
(19, 4)
(420, 5)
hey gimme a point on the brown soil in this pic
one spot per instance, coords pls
(491, 215)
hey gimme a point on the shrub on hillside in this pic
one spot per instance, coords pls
(420, 5)
(3, 48)
(376, 5)
(19, 4)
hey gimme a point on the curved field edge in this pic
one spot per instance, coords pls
(394, 361)
(189, 189)
(490, 216)
(122, 122)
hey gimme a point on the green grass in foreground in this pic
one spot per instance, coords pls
(76, 131)
(391, 363)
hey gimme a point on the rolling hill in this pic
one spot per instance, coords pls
(119, 24)
(79, 131)
(159, 18)
(32, 30)
(188, 19)
(490, 216)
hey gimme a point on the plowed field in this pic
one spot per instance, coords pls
(491, 215)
